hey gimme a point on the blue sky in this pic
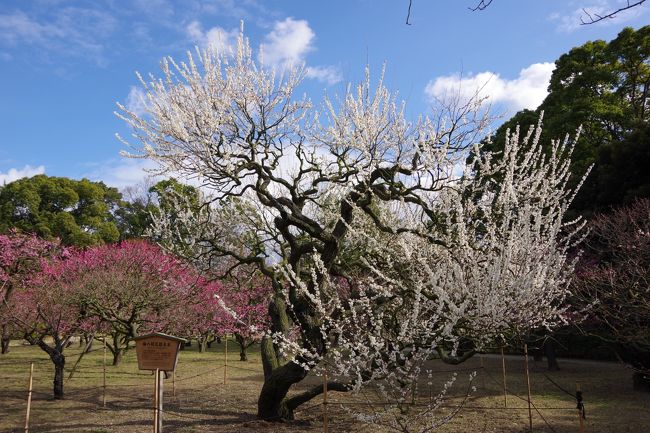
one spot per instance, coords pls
(65, 63)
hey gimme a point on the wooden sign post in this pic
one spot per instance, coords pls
(158, 353)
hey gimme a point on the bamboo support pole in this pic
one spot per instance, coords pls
(325, 426)
(530, 412)
(482, 372)
(581, 414)
(225, 359)
(503, 368)
(29, 396)
(174, 384)
(104, 375)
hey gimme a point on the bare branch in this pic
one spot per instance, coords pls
(482, 5)
(593, 17)
(408, 15)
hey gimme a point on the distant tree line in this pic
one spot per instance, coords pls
(83, 213)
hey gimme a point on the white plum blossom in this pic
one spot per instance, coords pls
(381, 253)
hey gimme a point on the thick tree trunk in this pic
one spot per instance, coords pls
(118, 348)
(4, 343)
(203, 344)
(641, 382)
(272, 404)
(117, 356)
(58, 359)
(89, 339)
(551, 357)
(59, 364)
(243, 345)
(269, 357)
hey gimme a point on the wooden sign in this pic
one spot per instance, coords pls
(157, 351)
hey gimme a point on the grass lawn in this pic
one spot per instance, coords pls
(203, 403)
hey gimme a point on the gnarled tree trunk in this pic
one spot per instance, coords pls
(244, 344)
(272, 404)
(55, 353)
(551, 357)
(4, 341)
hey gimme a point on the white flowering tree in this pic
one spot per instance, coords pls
(383, 246)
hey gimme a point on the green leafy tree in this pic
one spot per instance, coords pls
(134, 215)
(605, 89)
(79, 212)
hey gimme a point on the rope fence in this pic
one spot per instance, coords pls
(177, 412)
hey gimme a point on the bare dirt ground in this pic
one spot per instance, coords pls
(203, 403)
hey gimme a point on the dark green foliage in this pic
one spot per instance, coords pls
(168, 189)
(605, 88)
(621, 172)
(79, 212)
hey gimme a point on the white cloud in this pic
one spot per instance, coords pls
(136, 101)
(121, 173)
(528, 90)
(71, 31)
(18, 173)
(127, 172)
(18, 26)
(216, 37)
(327, 74)
(571, 20)
(288, 43)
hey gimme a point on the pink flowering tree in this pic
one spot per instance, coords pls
(201, 318)
(612, 283)
(246, 300)
(233, 305)
(20, 256)
(46, 313)
(131, 287)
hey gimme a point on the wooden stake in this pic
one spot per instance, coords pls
(482, 373)
(104, 374)
(29, 396)
(505, 389)
(160, 378)
(155, 403)
(530, 412)
(325, 401)
(174, 384)
(580, 410)
(225, 360)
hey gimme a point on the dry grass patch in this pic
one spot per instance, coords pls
(204, 404)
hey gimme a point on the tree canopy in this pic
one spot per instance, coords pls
(603, 87)
(79, 212)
